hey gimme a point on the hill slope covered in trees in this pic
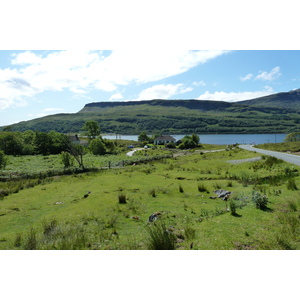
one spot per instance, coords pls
(275, 113)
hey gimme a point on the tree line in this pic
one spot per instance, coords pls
(42, 143)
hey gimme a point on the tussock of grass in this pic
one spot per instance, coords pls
(160, 238)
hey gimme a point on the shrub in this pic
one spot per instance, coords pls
(271, 160)
(259, 200)
(229, 184)
(67, 159)
(291, 185)
(31, 241)
(181, 189)
(18, 240)
(189, 232)
(202, 188)
(97, 147)
(49, 227)
(160, 238)
(217, 186)
(122, 198)
(292, 205)
(233, 206)
(152, 192)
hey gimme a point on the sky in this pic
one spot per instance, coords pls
(34, 84)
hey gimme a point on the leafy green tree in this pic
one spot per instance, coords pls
(67, 159)
(196, 138)
(57, 142)
(188, 142)
(42, 143)
(11, 143)
(28, 138)
(97, 147)
(92, 129)
(143, 137)
(292, 137)
(3, 160)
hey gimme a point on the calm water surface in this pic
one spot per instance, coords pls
(220, 139)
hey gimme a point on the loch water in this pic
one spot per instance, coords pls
(220, 139)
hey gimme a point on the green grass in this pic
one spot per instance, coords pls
(55, 215)
(281, 147)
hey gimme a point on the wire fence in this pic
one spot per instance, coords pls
(74, 170)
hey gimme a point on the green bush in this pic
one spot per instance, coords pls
(122, 198)
(152, 192)
(31, 241)
(160, 238)
(291, 185)
(67, 159)
(202, 188)
(259, 200)
(233, 206)
(181, 189)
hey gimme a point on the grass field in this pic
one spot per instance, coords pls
(59, 213)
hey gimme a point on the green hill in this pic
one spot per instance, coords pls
(275, 113)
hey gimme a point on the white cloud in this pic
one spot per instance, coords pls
(247, 77)
(116, 96)
(273, 74)
(235, 96)
(162, 91)
(82, 71)
(199, 83)
(25, 58)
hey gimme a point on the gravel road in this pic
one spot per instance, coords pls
(290, 158)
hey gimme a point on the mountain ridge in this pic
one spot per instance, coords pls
(274, 113)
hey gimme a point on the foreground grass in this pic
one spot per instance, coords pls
(58, 215)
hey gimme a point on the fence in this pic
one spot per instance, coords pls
(59, 172)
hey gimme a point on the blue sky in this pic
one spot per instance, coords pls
(38, 83)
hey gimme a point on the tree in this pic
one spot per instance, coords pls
(57, 142)
(196, 138)
(11, 143)
(292, 137)
(28, 138)
(42, 143)
(77, 151)
(3, 160)
(143, 137)
(92, 129)
(188, 142)
(97, 147)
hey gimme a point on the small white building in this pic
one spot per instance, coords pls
(164, 139)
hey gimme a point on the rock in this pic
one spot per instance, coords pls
(222, 194)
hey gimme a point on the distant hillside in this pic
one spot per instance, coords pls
(190, 104)
(287, 100)
(278, 113)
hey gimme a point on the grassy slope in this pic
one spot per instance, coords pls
(99, 222)
(232, 118)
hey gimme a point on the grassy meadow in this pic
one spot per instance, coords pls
(108, 208)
